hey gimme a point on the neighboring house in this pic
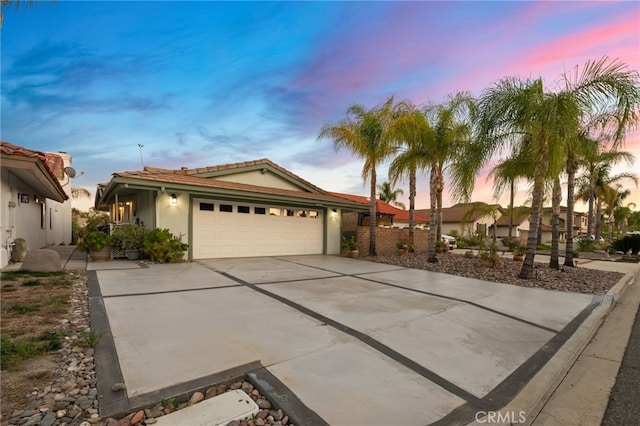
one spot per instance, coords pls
(387, 215)
(521, 223)
(468, 218)
(35, 206)
(254, 208)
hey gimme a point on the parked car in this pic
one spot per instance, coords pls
(449, 240)
(587, 237)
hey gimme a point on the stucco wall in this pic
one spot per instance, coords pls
(333, 231)
(387, 238)
(256, 177)
(175, 218)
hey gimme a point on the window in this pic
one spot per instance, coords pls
(290, 212)
(259, 210)
(226, 208)
(274, 212)
(301, 213)
(313, 214)
(243, 209)
(208, 207)
(50, 218)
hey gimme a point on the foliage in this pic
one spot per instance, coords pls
(94, 241)
(629, 243)
(13, 351)
(95, 222)
(351, 244)
(461, 243)
(128, 237)
(585, 244)
(388, 194)
(162, 246)
(88, 338)
(22, 309)
(490, 256)
(402, 245)
(511, 243)
(13, 275)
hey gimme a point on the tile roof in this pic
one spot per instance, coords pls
(384, 208)
(53, 163)
(520, 214)
(456, 213)
(171, 177)
(231, 166)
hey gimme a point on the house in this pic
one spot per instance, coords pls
(468, 218)
(254, 208)
(520, 223)
(387, 215)
(34, 200)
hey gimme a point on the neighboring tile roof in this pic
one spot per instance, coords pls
(53, 163)
(520, 214)
(456, 213)
(384, 208)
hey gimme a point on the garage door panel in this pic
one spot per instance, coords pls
(232, 234)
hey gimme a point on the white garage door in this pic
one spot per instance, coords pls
(228, 229)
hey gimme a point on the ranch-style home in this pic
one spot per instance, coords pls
(34, 196)
(253, 208)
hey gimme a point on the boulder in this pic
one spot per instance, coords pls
(42, 260)
(19, 250)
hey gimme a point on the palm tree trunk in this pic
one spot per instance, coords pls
(512, 196)
(433, 219)
(554, 262)
(439, 201)
(591, 218)
(528, 271)
(539, 233)
(598, 219)
(372, 214)
(412, 204)
(571, 183)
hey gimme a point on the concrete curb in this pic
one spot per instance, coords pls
(533, 397)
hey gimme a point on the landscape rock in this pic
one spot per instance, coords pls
(19, 250)
(196, 397)
(42, 260)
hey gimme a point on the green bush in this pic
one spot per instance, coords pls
(511, 243)
(128, 237)
(94, 241)
(629, 243)
(162, 246)
(585, 244)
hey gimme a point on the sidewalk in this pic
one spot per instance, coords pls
(582, 396)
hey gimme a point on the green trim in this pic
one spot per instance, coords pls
(228, 194)
(325, 234)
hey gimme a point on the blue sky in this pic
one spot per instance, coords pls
(207, 83)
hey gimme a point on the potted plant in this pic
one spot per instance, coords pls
(518, 253)
(96, 243)
(403, 247)
(128, 238)
(353, 247)
(469, 254)
(441, 246)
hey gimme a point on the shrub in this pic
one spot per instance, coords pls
(162, 246)
(511, 243)
(128, 237)
(586, 244)
(94, 241)
(629, 243)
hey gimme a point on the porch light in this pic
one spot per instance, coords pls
(174, 199)
(334, 213)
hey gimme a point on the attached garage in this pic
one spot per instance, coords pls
(255, 208)
(231, 229)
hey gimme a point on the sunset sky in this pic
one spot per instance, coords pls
(209, 83)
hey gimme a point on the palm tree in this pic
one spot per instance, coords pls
(515, 111)
(364, 132)
(597, 174)
(613, 196)
(388, 194)
(416, 153)
(79, 192)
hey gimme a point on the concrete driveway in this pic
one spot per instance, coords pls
(358, 343)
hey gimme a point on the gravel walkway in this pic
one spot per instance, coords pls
(577, 279)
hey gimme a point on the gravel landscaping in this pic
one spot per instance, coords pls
(580, 280)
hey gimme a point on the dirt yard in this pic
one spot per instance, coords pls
(34, 308)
